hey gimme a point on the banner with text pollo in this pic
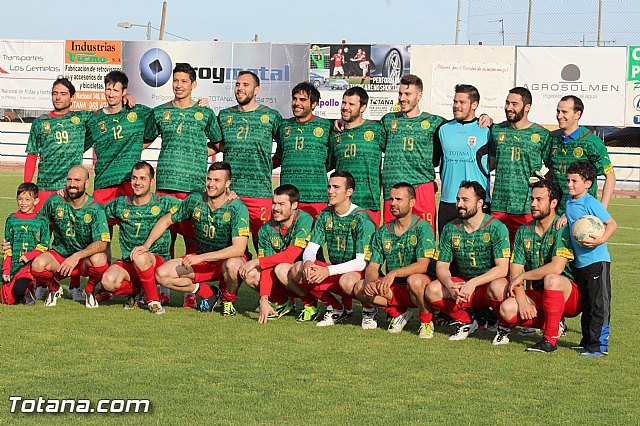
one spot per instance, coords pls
(86, 62)
(632, 104)
(594, 74)
(28, 68)
(149, 65)
(375, 67)
(490, 69)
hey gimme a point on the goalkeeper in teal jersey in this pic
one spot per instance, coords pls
(479, 245)
(405, 245)
(27, 236)
(57, 140)
(222, 231)
(303, 149)
(248, 132)
(346, 230)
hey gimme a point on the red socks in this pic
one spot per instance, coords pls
(553, 306)
(451, 308)
(125, 288)
(204, 291)
(95, 275)
(148, 281)
(45, 279)
(425, 317)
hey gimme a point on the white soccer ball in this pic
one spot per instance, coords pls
(585, 226)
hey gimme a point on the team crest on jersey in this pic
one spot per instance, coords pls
(318, 132)
(75, 119)
(287, 132)
(103, 127)
(59, 213)
(455, 241)
(535, 138)
(425, 125)
(264, 119)
(166, 116)
(46, 127)
(353, 224)
(501, 137)
(275, 242)
(506, 253)
(394, 125)
(155, 210)
(368, 136)
(226, 216)
(486, 237)
(527, 244)
(196, 213)
(413, 240)
(125, 214)
(387, 245)
(329, 224)
(471, 141)
(550, 240)
(87, 218)
(132, 117)
(229, 120)
(198, 116)
(337, 140)
(553, 151)
(578, 152)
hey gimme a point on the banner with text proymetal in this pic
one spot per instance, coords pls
(595, 74)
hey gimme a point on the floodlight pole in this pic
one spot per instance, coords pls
(599, 20)
(458, 22)
(162, 21)
(529, 23)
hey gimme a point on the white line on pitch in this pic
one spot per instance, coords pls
(624, 244)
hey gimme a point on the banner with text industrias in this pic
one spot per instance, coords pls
(594, 74)
(149, 65)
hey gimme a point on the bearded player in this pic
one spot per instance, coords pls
(346, 230)
(406, 246)
(80, 237)
(542, 256)
(222, 231)
(280, 244)
(518, 148)
(479, 245)
(303, 149)
(137, 214)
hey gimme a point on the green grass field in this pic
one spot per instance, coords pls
(198, 368)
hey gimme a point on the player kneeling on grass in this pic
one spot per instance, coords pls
(346, 229)
(592, 260)
(405, 245)
(222, 232)
(479, 245)
(26, 236)
(541, 256)
(137, 214)
(80, 237)
(280, 243)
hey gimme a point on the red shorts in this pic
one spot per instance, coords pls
(330, 284)
(208, 271)
(77, 271)
(185, 228)
(572, 306)
(104, 195)
(312, 208)
(425, 206)
(6, 295)
(478, 299)
(42, 197)
(133, 272)
(512, 221)
(259, 212)
(401, 297)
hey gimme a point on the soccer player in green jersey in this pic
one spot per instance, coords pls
(27, 235)
(346, 230)
(578, 143)
(406, 246)
(479, 245)
(358, 150)
(222, 231)
(57, 140)
(518, 148)
(117, 136)
(280, 244)
(248, 132)
(303, 150)
(80, 237)
(542, 257)
(137, 214)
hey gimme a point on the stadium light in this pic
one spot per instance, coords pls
(149, 27)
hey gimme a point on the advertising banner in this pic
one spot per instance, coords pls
(632, 104)
(594, 74)
(86, 62)
(490, 69)
(149, 65)
(28, 68)
(377, 68)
